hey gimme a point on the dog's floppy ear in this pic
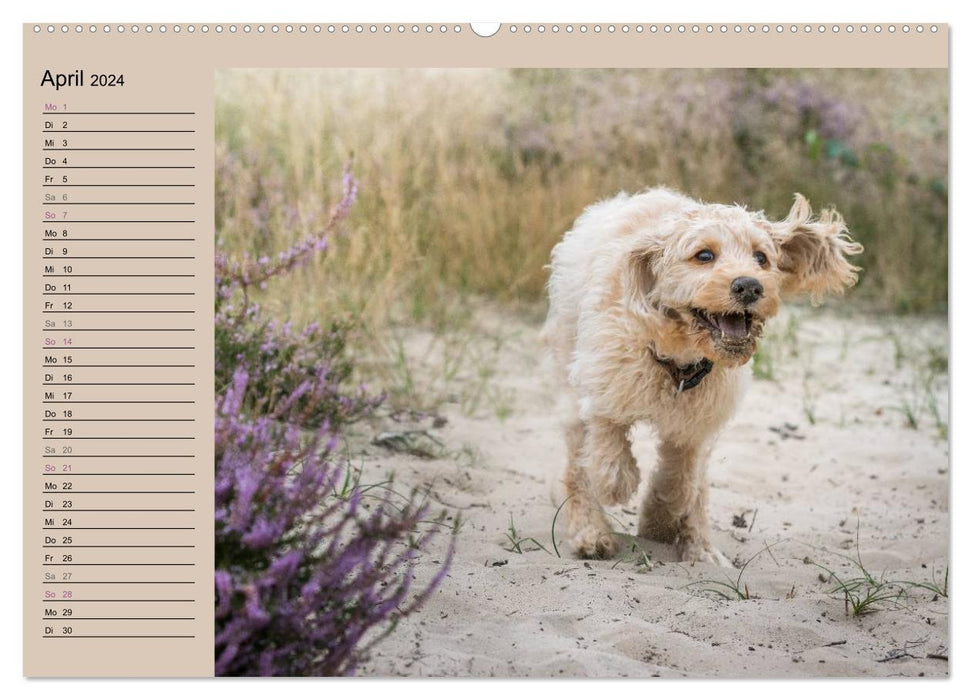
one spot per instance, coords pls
(639, 278)
(812, 254)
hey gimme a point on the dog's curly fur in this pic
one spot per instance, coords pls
(643, 284)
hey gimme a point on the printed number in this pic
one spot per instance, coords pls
(107, 80)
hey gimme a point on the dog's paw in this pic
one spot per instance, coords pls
(593, 543)
(694, 551)
(617, 482)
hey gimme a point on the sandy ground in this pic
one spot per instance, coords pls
(857, 482)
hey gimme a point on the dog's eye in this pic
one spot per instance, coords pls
(704, 256)
(760, 258)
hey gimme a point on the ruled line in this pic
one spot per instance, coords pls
(115, 437)
(98, 184)
(73, 617)
(141, 456)
(109, 204)
(72, 365)
(74, 275)
(72, 491)
(119, 167)
(119, 384)
(119, 149)
(149, 402)
(118, 636)
(120, 420)
(72, 239)
(56, 113)
(119, 600)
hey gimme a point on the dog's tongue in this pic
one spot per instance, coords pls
(731, 324)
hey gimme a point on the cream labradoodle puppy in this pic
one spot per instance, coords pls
(657, 302)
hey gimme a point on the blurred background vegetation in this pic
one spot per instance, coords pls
(468, 177)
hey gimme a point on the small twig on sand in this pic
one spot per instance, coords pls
(895, 654)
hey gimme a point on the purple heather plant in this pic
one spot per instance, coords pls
(277, 358)
(312, 568)
(307, 563)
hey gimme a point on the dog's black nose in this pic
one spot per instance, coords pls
(747, 290)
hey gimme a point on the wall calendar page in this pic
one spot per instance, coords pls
(534, 350)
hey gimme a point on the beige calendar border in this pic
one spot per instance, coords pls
(176, 69)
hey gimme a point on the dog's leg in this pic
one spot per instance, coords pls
(613, 468)
(675, 509)
(590, 534)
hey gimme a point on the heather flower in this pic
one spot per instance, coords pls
(305, 569)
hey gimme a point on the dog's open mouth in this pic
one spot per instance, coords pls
(733, 334)
(727, 326)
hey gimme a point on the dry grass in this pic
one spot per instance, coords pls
(468, 177)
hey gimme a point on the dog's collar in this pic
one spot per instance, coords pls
(685, 376)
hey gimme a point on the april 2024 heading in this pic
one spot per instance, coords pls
(76, 79)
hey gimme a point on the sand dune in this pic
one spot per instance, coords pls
(822, 464)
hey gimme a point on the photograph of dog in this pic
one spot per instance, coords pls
(657, 302)
(582, 373)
